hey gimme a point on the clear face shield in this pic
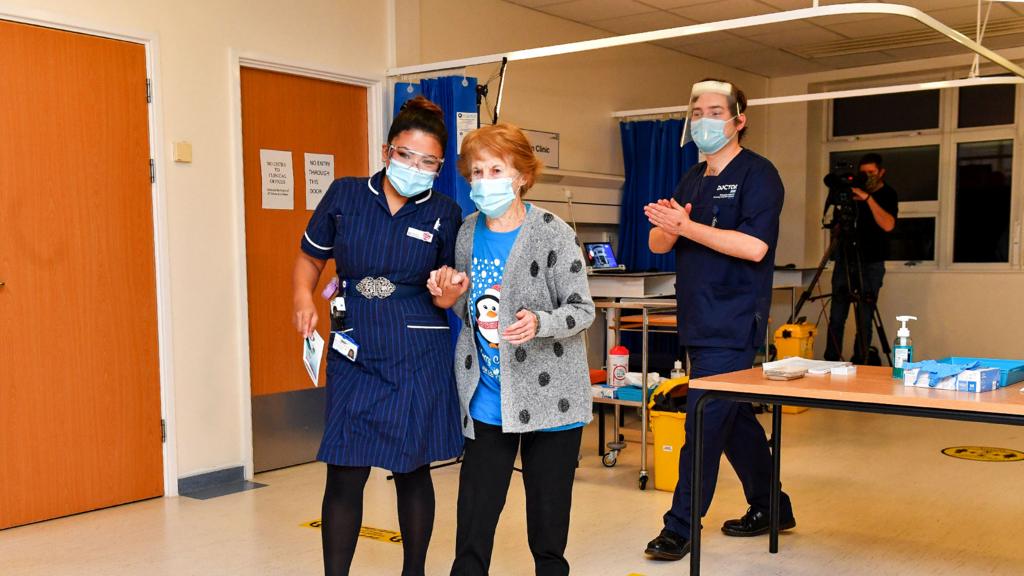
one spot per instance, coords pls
(714, 110)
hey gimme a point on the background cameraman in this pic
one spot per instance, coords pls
(877, 208)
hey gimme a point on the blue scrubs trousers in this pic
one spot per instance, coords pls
(729, 427)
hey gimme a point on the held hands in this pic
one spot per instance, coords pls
(523, 330)
(669, 216)
(305, 317)
(446, 285)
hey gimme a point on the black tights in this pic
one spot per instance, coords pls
(343, 516)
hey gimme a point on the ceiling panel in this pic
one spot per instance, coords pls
(709, 38)
(712, 49)
(790, 34)
(771, 63)
(854, 60)
(870, 27)
(587, 11)
(724, 10)
(643, 22)
(670, 4)
(932, 5)
(774, 50)
(537, 3)
(969, 14)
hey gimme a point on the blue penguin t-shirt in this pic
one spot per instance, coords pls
(490, 252)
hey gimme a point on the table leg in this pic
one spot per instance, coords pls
(697, 464)
(600, 430)
(643, 406)
(773, 538)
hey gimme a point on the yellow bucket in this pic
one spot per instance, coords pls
(669, 435)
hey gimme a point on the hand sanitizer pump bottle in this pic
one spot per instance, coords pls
(903, 347)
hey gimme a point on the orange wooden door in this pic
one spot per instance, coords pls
(79, 373)
(300, 115)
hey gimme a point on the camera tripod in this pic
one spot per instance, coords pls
(841, 241)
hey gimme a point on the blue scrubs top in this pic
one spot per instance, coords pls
(395, 407)
(724, 301)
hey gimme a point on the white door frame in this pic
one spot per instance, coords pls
(375, 115)
(159, 202)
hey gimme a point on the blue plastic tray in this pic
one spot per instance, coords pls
(1010, 371)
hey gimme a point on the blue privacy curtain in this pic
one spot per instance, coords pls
(654, 164)
(456, 95)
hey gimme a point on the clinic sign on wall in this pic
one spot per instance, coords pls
(545, 146)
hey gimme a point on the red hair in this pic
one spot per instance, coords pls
(504, 140)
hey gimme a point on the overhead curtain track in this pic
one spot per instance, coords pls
(918, 87)
(733, 24)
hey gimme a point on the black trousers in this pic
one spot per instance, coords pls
(549, 468)
(873, 274)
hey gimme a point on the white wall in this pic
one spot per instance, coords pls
(962, 312)
(194, 88)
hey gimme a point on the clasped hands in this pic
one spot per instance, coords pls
(669, 216)
(447, 285)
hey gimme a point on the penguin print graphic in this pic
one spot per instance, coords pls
(487, 307)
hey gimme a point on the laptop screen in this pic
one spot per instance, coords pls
(600, 255)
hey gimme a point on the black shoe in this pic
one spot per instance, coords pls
(754, 523)
(668, 546)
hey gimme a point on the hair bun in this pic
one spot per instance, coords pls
(421, 104)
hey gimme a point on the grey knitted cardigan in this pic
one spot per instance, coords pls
(545, 382)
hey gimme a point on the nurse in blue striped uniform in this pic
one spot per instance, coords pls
(391, 395)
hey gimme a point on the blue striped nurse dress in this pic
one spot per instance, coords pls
(396, 406)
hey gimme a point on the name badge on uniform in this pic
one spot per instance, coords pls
(345, 346)
(419, 235)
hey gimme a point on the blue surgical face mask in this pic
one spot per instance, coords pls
(492, 196)
(709, 134)
(409, 181)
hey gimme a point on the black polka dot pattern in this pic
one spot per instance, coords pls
(576, 266)
(570, 322)
(549, 218)
(520, 354)
(563, 405)
(534, 269)
(559, 349)
(524, 416)
(467, 321)
(469, 362)
(552, 259)
(544, 379)
(574, 298)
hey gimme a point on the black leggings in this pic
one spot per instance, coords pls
(343, 516)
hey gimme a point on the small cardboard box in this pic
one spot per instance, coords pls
(979, 380)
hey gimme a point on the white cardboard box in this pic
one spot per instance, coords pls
(980, 380)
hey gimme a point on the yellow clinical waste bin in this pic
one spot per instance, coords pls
(795, 340)
(669, 436)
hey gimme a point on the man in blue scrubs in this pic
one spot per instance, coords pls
(723, 223)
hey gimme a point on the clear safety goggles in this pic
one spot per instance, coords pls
(418, 160)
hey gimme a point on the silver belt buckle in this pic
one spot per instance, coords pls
(371, 287)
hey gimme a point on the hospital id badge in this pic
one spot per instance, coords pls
(345, 346)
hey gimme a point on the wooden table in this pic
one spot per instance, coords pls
(872, 389)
